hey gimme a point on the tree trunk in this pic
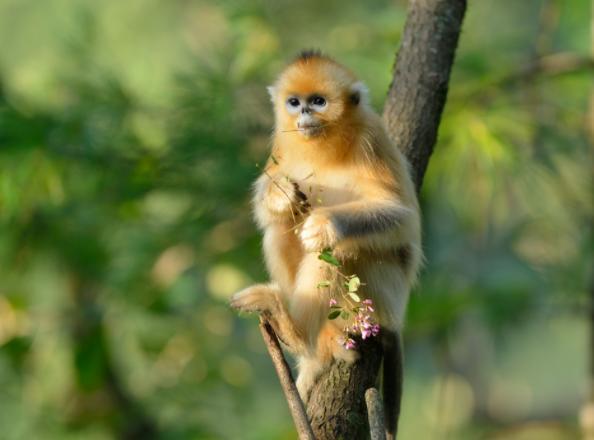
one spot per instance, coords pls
(412, 113)
(336, 406)
(421, 74)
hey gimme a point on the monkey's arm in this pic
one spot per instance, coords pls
(353, 220)
(358, 219)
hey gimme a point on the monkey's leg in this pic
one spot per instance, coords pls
(283, 254)
(308, 307)
(329, 347)
(266, 299)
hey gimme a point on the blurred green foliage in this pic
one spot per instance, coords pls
(129, 135)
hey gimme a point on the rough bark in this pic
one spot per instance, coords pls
(412, 113)
(421, 74)
(336, 406)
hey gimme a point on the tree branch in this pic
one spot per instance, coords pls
(549, 65)
(287, 383)
(545, 67)
(375, 413)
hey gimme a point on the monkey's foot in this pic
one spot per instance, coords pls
(256, 298)
(309, 371)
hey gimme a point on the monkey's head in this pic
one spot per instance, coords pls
(315, 95)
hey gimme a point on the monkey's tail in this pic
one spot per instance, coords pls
(392, 381)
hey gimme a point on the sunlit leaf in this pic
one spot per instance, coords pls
(354, 284)
(354, 297)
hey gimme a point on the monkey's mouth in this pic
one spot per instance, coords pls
(310, 129)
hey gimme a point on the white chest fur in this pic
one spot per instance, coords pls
(323, 188)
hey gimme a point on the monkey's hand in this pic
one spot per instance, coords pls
(318, 232)
(284, 196)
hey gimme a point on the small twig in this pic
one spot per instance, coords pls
(294, 228)
(549, 66)
(375, 414)
(287, 383)
(305, 128)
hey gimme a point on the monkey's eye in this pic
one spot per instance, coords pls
(293, 102)
(318, 100)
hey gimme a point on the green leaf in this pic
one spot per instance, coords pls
(354, 296)
(333, 314)
(323, 284)
(344, 314)
(354, 284)
(326, 255)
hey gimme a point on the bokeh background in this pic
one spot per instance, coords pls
(129, 134)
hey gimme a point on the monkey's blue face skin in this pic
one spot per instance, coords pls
(306, 110)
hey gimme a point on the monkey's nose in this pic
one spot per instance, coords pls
(306, 110)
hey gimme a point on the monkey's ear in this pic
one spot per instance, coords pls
(271, 92)
(359, 93)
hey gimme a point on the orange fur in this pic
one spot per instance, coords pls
(350, 172)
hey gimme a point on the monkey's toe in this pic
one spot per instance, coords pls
(243, 305)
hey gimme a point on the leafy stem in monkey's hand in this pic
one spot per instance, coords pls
(364, 323)
(326, 255)
(303, 205)
(302, 202)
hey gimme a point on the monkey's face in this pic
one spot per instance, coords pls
(309, 104)
(307, 112)
(314, 97)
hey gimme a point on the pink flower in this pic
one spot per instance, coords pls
(368, 305)
(363, 324)
(349, 344)
(365, 333)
